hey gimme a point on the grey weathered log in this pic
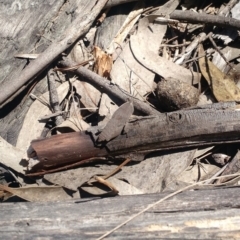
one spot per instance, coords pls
(202, 214)
(77, 29)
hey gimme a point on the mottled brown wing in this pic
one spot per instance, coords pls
(115, 125)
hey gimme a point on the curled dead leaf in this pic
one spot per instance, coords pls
(38, 194)
(222, 86)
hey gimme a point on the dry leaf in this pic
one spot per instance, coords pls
(206, 98)
(103, 62)
(131, 76)
(116, 124)
(38, 194)
(128, 24)
(74, 178)
(80, 52)
(223, 87)
(38, 110)
(190, 176)
(5, 195)
(72, 124)
(147, 54)
(90, 96)
(154, 172)
(203, 152)
(11, 156)
(106, 108)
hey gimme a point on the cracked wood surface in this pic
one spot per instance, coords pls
(202, 214)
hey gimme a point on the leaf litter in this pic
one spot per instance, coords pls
(140, 55)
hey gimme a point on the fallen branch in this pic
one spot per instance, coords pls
(193, 17)
(190, 128)
(112, 90)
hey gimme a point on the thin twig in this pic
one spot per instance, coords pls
(73, 67)
(193, 17)
(196, 58)
(228, 7)
(53, 97)
(103, 16)
(218, 50)
(41, 100)
(47, 117)
(175, 45)
(117, 169)
(171, 39)
(107, 184)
